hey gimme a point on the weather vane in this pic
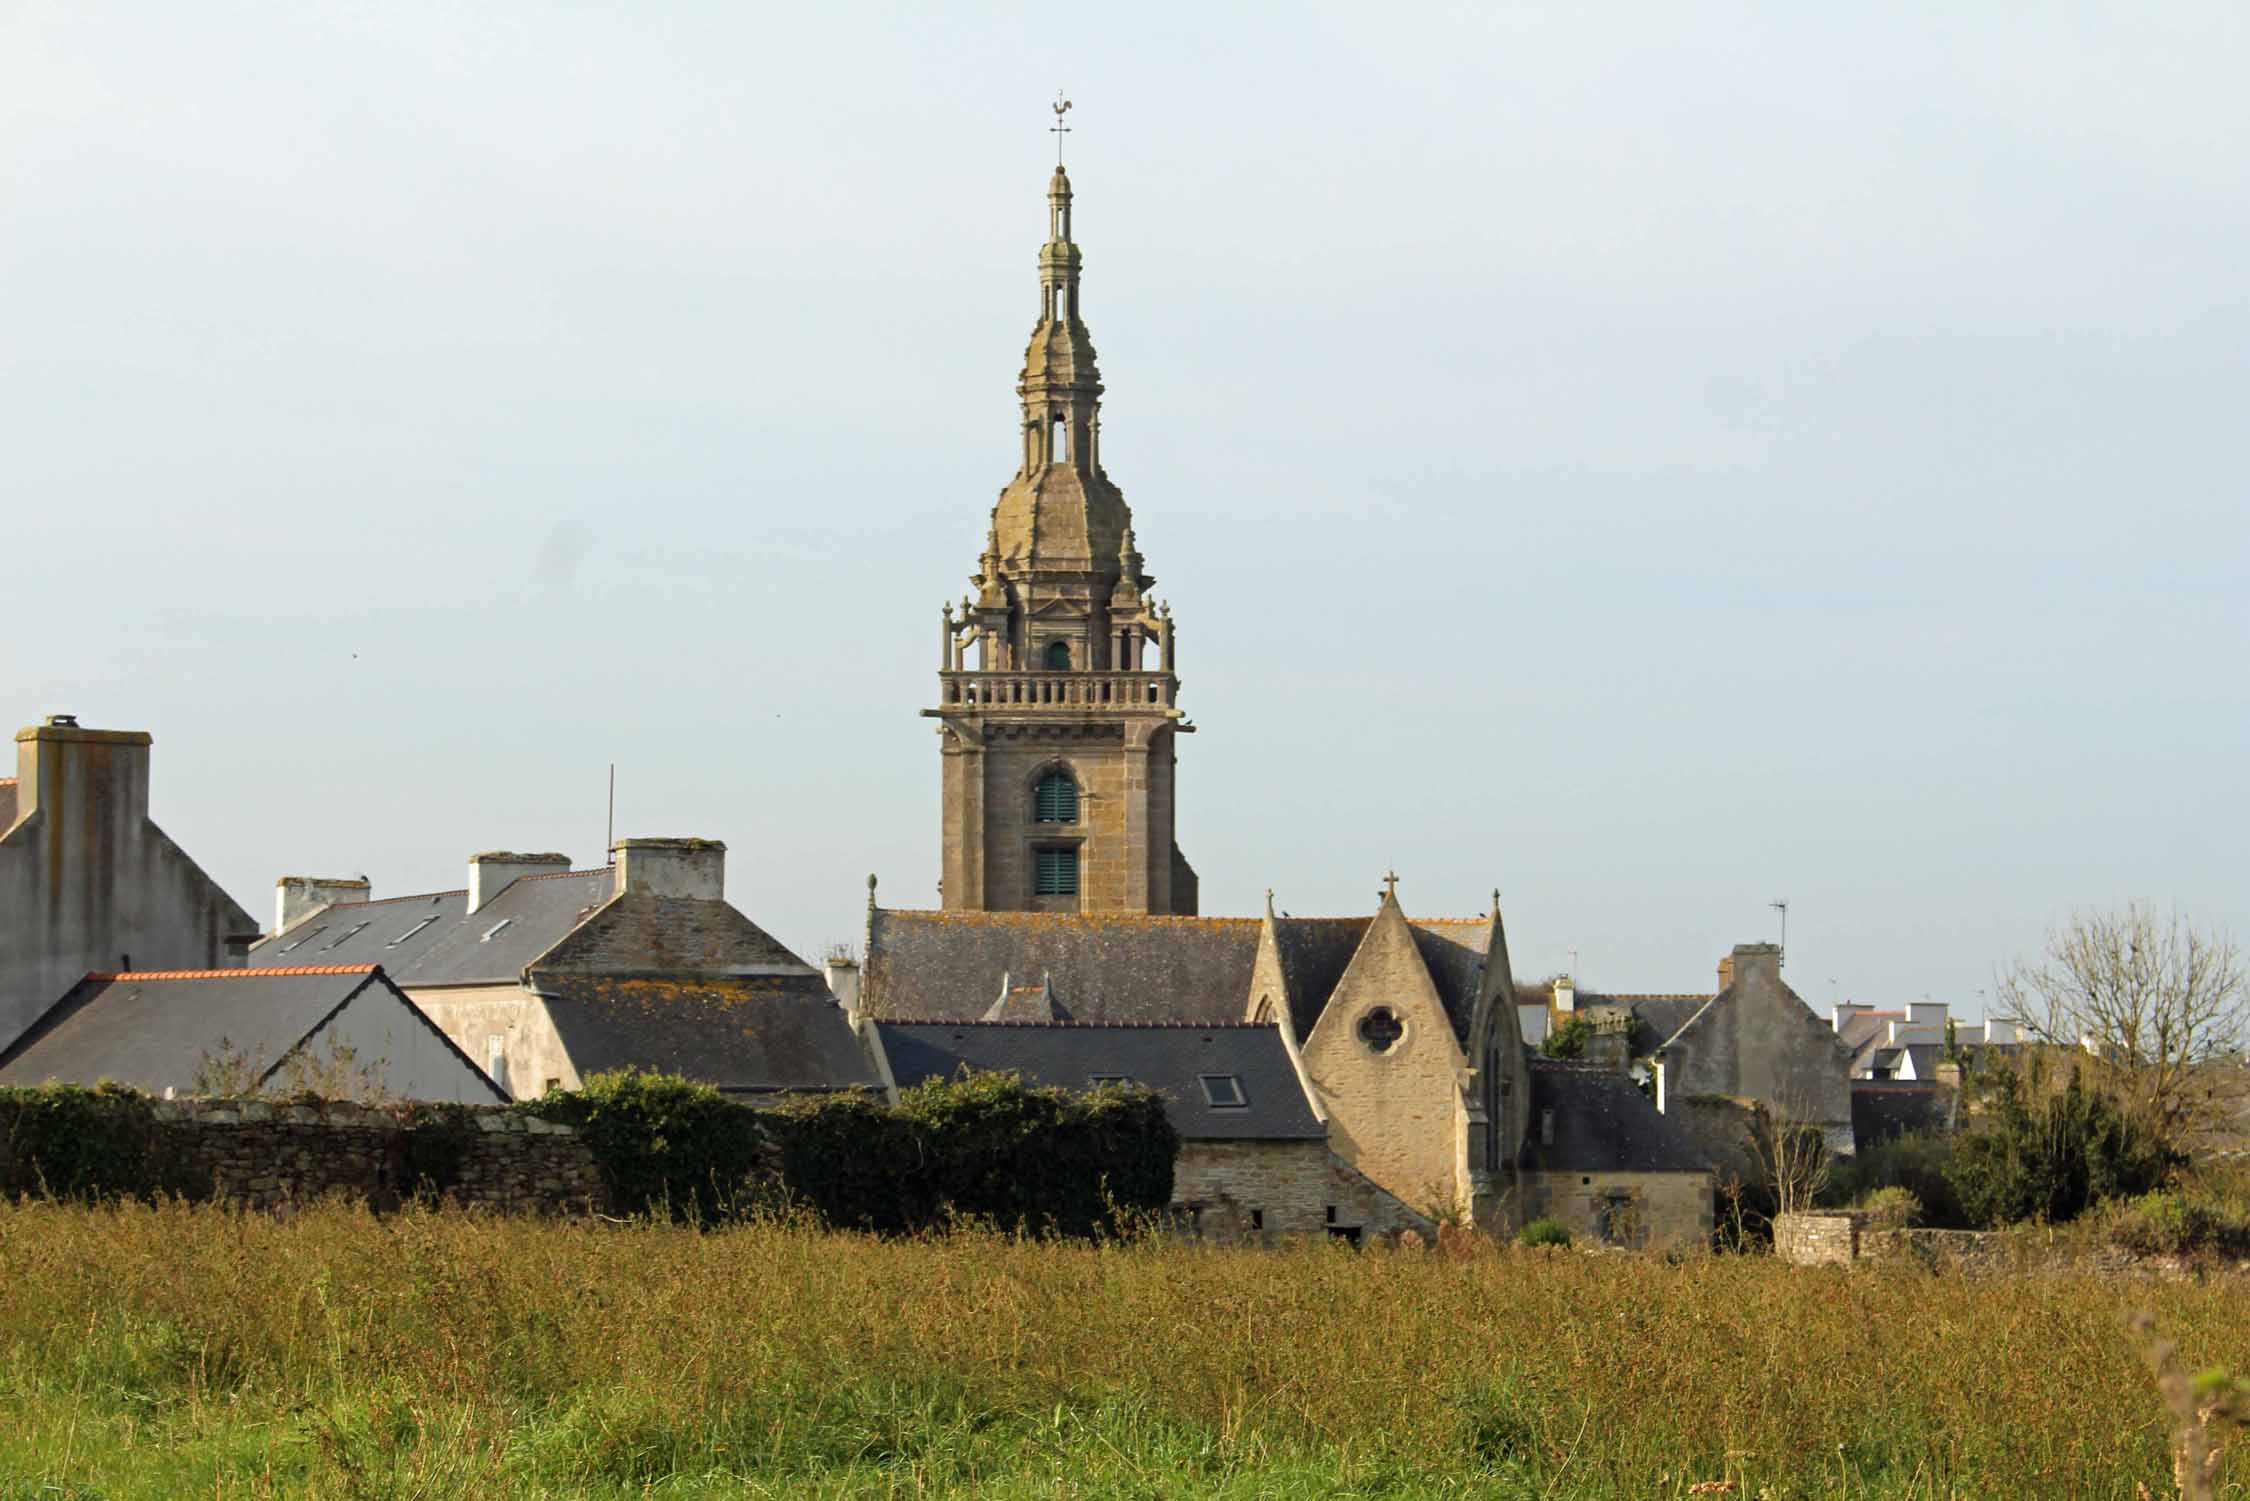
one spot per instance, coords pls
(1062, 107)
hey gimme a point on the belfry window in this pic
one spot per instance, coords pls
(1055, 801)
(1056, 873)
(1062, 440)
(1058, 656)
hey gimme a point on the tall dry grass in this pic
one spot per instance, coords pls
(177, 1350)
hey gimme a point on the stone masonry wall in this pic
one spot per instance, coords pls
(1639, 1210)
(263, 1154)
(1245, 1190)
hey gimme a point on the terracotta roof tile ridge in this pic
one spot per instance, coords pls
(7, 781)
(267, 972)
(1645, 995)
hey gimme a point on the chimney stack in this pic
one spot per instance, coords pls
(695, 869)
(296, 898)
(842, 973)
(1751, 961)
(1566, 995)
(91, 785)
(495, 870)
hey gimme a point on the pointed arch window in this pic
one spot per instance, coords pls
(1055, 800)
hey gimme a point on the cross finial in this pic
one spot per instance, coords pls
(1058, 129)
(1390, 886)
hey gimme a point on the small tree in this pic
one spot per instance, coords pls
(1791, 1156)
(2051, 1154)
(1568, 1040)
(2153, 1000)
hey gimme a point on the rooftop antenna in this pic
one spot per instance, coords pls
(1782, 907)
(1574, 965)
(1058, 129)
(609, 835)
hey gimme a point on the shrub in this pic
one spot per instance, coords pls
(1543, 1232)
(1892, 1208)
(71, 1142)
(2172, 1224)
(664, 1144)
(2052, 1158)
(985, 1146)
(1917, 1162)
(1568, 1040)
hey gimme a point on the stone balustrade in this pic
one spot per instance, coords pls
(1062, 690)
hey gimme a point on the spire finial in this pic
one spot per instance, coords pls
(1390, 886)
(1058, 129)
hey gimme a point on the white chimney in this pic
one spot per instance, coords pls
(1566, 994)
(1926, 1013)
(692, 868)
(495, 870)
(296, 898)
(842, 973)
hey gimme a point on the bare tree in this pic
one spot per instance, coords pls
(1791, 1154)
(2153, 998)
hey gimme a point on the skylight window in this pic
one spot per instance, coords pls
(1224, 1092)
(291, 948)
(1098, 1080)
(349, 934)
(495, 928)
(410, 932)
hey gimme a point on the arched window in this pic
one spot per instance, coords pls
(1058, 656)
(1056, 800)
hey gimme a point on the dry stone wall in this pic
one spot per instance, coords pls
(265, 1154)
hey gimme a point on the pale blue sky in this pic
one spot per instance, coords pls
(1655, 459)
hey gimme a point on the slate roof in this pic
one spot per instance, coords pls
(154, 1028)
(489, 946)
(1168, 1059)
(1884, 1108)
(946, 966)
(1602, 1124)
(939, 966)
(753, 1035)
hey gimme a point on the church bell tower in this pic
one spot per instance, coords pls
(1057, 692)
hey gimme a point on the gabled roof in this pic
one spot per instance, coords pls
(938, 966)
(433, 939)
(753, 1035)
(157, 1028)
(947, 966)
(1601, 1123)
(1169, 1059)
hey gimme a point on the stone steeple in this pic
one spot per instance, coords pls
(1054, 649)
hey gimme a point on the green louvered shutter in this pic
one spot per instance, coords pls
(1056, 801)
(1057, 873)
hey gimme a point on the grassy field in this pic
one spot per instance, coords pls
(174, 1351)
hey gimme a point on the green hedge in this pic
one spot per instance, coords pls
(68, 1142)
(984, 1147)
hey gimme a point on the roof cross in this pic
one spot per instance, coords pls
(1058, 129)
(1390, 886)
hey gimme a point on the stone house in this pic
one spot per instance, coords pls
(1254, 1155)
(545, 975)
(1604, 1163)
(1752, 1041)
(331, 1029)
(88, 882)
